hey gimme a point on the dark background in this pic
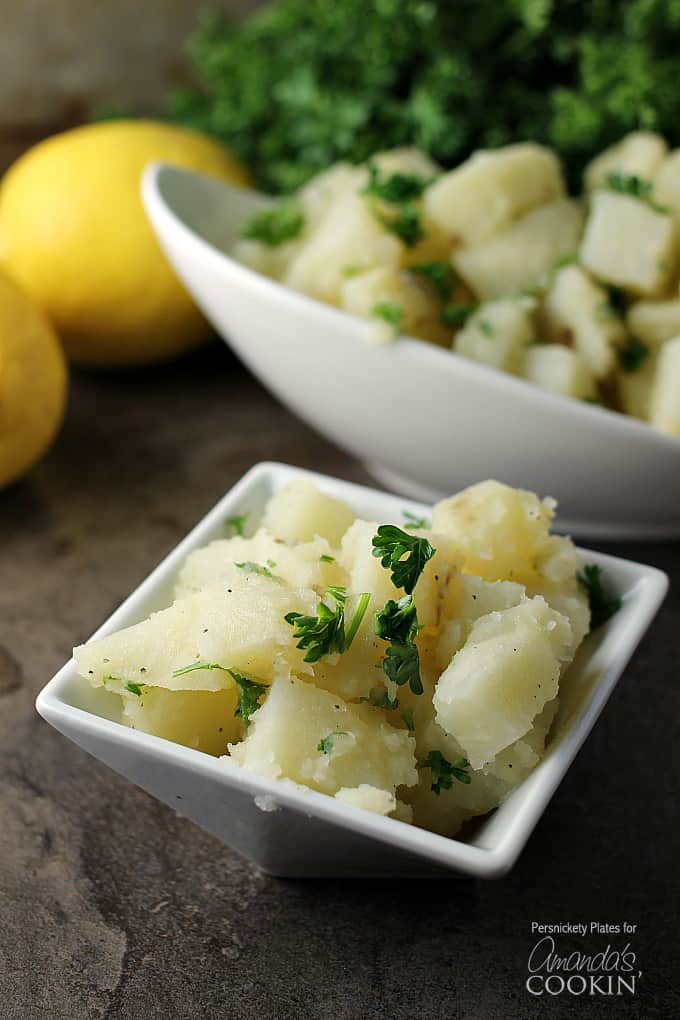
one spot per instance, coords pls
(112, 906)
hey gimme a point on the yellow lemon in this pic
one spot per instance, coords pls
(74, 234)
(32, 382)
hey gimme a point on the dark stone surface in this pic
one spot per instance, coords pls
(112, 906)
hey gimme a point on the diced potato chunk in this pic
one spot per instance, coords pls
(301, 511)
(664, 406)
(505, 535)
(491, 189)
(302, 566)
(466, 599)
(318, 194)
(405, 160)
(523, 254)
(270, 260)
(654, 322)
(349, 235)
(667, 183)
(370, 798)
(635, 388)
(640, 153)
(284, 735)
(204, 720)
(240, 627)
(419, 306)
(498, 333)
(559, 369)
(629, 244)
(577, 311)
(502, 677)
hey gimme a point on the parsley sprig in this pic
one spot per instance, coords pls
(633, 355)
(248, 567)
(395, 188)
(443, 772)
(602, 605)
(325, 633)
(397, 622)
(236, 525)
(391, 312)
(636, 187)
(405, 555)
(249, 691)
(275, 226)
(439, 275)
(405, 224)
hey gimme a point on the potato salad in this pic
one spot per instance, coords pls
(411, 668)
(495, 261)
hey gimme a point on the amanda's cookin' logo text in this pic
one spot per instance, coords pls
(611, 971)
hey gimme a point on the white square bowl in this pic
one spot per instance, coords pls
(293, 831)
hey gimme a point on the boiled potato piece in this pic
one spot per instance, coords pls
(466, 599)
(491, 189)
(558, 369)
(307, 565)
(420, 310)
(504, 533)
(204, 720)
(639, 154)
(522, 255)
(241, 627)
(270, 260)
(284, 736)
(667, 183)
(634, 389)
(654, 322)
(317, 196)
(349, 235)
(370, 798)
(576, 311)
(405, 160)
(301, 511)
(502, 677)
(628, 244)
(498, 334)
(664, 404)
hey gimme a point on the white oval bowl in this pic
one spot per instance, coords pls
(426, 421)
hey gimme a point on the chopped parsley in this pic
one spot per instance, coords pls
(413, 521)
(379, 697)
(237, 524)
(633, 355)
(405, 224)
(443, 772)
(564, 260)
(397, 622)
(439, 275)
(325, 633)
(248, 567)
(395, 188)
(485, 327)
(327, 559)
(391, 545)
(391, 312)
(457, 315)
(275, 226)
(636, 187)
(325, 745)
(249, 691)
(602, 605)
(353, 269)
(135, 689)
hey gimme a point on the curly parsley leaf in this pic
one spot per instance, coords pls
(457, 315)
(439, 275)
(275, 226)
(636, 187)
(414, 522)
(326, 744)
(443, 772)
(236, 525)
(133, 688)
(405, 555)
(397, 621)
(633, 355)
(379, 697)
(391, 312)
(405, 224)
(325, 633)
(249, 691)
(602, 605)
(395, 188)
(401, 665)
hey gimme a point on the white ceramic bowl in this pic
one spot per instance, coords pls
(427, 422)
(289, 830)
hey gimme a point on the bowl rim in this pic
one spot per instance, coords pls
(159, 208)
(648, 584)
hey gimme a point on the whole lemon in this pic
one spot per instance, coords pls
(74, 234)
(32, 382)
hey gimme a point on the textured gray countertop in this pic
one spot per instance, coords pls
(112, 906)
